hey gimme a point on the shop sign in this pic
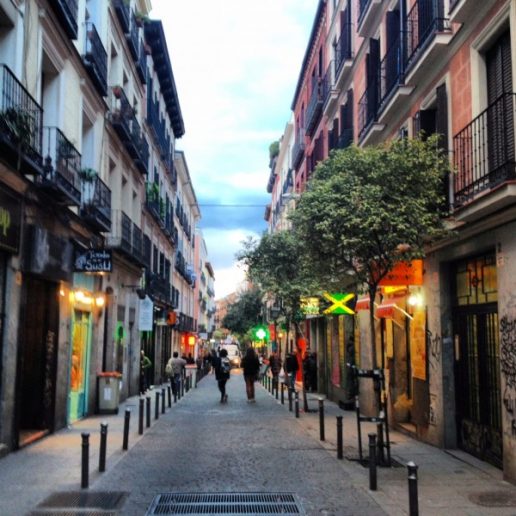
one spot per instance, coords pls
(404, 273)
(93, 260)
(310, 305)
(10, 222)
(146, 314)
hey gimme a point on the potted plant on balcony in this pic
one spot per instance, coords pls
(140, 18)
(18, 124)
(88, 174)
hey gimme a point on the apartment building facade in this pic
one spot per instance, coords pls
(394, 69)
(89, 115)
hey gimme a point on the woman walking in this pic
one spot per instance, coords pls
(251, 366)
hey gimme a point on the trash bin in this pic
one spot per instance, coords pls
(109, 392)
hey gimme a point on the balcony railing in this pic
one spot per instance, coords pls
(95, 59)
(152, 199)
(137, 245)
(343, 48)
(363, 5)
(67, 11)
(298, 150)
(132, 37)
(20, 125)
(141, 63)
(345, 139)
(123, 13)
(158, 287)
(484, 151)
(423, 21)
(62, 167)
(391, 72)
(328, 83)
(120, 237)
(158, 127)
(314, 107)
(367, 109)
(96, 203)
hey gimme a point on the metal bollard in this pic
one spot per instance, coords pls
(412, 488)
(305, 400)
(182, 387)
(103, 445)
(290, 399)
(277, 388)
(296, 396)
(127, 419)
(140, 416)
(195, 382)
(372, 462)
(163, 400)
(156, 406)
(85, 467)
(340, 451)
(147, 411)
(169, 391)
(321, 419)
(283, 393)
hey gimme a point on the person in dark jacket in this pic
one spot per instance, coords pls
(275, 365)
(251, 367)
(222, 373)
(291, 367)
(310, 371)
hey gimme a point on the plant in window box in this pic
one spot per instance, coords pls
(88, 174)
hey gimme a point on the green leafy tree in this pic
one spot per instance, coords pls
(245, 313)
(275, 263)
(368, 208)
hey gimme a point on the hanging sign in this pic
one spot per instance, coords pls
(404, 273)
(310, 305)
(146, 313)
(93, 260)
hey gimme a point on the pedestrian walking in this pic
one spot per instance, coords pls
(251, 367)
(145, 363)
(291, 368)
(275, 365)
(222, 373)
(174, 369)
(213, 360)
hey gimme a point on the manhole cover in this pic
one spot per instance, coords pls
(494, 498)
(94, 500)
(285, 504)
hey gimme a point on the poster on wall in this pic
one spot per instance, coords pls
(418, 345)
(146, 313)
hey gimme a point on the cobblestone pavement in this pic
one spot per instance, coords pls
(202, 446)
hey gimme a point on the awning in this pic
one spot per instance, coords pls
(362, 304)
(388, 308)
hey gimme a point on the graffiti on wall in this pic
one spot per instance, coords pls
(434, 349)
(508, 367)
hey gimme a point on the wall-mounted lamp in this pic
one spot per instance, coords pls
(415, 300)
(140, 292)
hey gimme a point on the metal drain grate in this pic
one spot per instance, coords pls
(258, 504)
(91, 500)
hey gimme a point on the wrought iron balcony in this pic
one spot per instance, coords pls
(158, 127)
(287, 183)
(132, 37)
(314, 107)
(298, 150)
(95, 59)
(343, 52)
(20, 125)
(137, 246)
(120, 237)
(96, 203)
(123, 13)
(62, 167)
(367, 109)
(484, 151)
(141, 63)
(329, 90)
(423, 22)
(345, 139)
(158, 287)
(142, 160)
(67, 12)
(152, 200)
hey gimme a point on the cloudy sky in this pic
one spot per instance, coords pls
(235, 64)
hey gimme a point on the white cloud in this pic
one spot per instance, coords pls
(235, 64)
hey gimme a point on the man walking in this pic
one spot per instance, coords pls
(174, 368)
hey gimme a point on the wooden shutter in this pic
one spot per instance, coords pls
(441, 119)
(373, 70)
(393, 45)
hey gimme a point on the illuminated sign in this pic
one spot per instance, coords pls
(404, 273)
(339, 303)
(310, 305)
(10, 222)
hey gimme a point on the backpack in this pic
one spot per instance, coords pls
(225, 366)
(168, 368)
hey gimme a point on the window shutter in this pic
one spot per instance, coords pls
(441, 119)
